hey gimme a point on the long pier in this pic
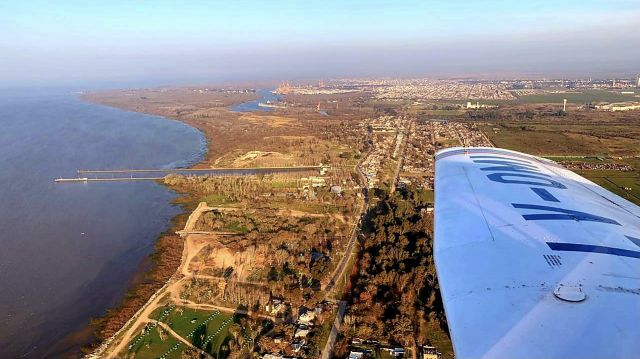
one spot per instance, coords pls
(217, 169)
(117, 175)
(85, 179)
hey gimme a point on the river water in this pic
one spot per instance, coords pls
(264, 95)
(68, 251)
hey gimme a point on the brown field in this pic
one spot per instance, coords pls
(554, 139)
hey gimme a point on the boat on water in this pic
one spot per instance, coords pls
(271, 105)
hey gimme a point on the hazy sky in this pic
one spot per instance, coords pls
(136, 41)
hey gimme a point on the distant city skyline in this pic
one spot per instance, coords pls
(156, 42)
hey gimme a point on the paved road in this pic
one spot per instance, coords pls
(328, 348)
(396, 173)
(327, 351)
(339, 271)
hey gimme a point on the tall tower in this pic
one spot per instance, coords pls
(638, 81)
(284, 88)
(564, 105)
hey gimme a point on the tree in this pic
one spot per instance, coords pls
(394, 281)
(191, 353)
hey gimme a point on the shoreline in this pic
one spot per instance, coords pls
(153, 272)
(221, 129)
(161, 266)
(164, 260)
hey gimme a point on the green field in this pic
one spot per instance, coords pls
(588, 159)
(207, 330)
(624, 184)
(566, 139)
(543, 142)
(577, 98)
(150, 345)
(236, 227)
(425, 195)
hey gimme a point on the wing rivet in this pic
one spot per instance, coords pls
(569, 293)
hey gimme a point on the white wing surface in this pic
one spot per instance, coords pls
(533, 260)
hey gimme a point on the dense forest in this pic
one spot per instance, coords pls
(394, 290)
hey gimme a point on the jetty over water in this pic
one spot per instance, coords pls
(205, 170)
(158, 174)
(85, 179)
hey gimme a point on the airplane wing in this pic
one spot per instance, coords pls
(533, 260)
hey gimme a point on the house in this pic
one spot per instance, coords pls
(395, 352)
(301, 332)
(404, 182)
(317, 182)
(307, 317)
(398, 352)
(355, 355)
(274, 307)
(429, 352)
(297, 345)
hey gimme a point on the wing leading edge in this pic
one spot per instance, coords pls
(533, 260)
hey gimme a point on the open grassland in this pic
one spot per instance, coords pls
(625, 185)
(584, 159)
(566, 139)
(580, 97)
(542, 142)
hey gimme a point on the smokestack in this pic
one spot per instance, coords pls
(564, 105)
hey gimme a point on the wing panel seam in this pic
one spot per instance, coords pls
(475, 196)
